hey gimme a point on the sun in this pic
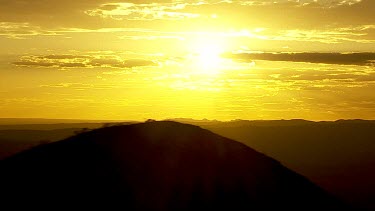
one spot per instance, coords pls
(209, 57)
(206, 57)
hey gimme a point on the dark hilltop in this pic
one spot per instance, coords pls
(155, 166)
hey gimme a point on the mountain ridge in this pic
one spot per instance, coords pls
(160, 166)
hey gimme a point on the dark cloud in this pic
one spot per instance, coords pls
(83, 61)
(325, 58)
(138, 62)
(35, 63)
(72, 64)
(366, 78)
(115, 62)
(109, 7)
(105, 62)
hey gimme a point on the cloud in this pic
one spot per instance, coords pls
(138, 63)
(149, 11)
(367, 59)
(316, 75)
(22, 30)
(285, 21)
(283, 14)
(118, 63)
(367, 78)
(35, 63)
(359, 34)
(64, 56)
(297, 3)
(82, 61)
(150, 37)
(80, 86)
(90, 13)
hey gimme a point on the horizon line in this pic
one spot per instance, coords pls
(177, 118)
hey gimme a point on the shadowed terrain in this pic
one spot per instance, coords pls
(338, 156)
(16, 135)
(156, 166)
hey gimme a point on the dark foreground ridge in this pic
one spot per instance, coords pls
(155, 166)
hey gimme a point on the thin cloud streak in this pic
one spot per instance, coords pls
(367, 59)
(85, 61)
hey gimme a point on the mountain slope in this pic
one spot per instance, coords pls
(156, 166)
(338, 156)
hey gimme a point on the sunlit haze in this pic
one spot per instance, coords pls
(135, 60)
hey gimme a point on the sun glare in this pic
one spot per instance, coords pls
(206, 58)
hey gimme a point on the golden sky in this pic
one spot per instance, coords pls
(135, 60)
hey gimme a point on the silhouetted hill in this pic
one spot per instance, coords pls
(15, 138)
(338, 156)
(13, 141)
(155, 166)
